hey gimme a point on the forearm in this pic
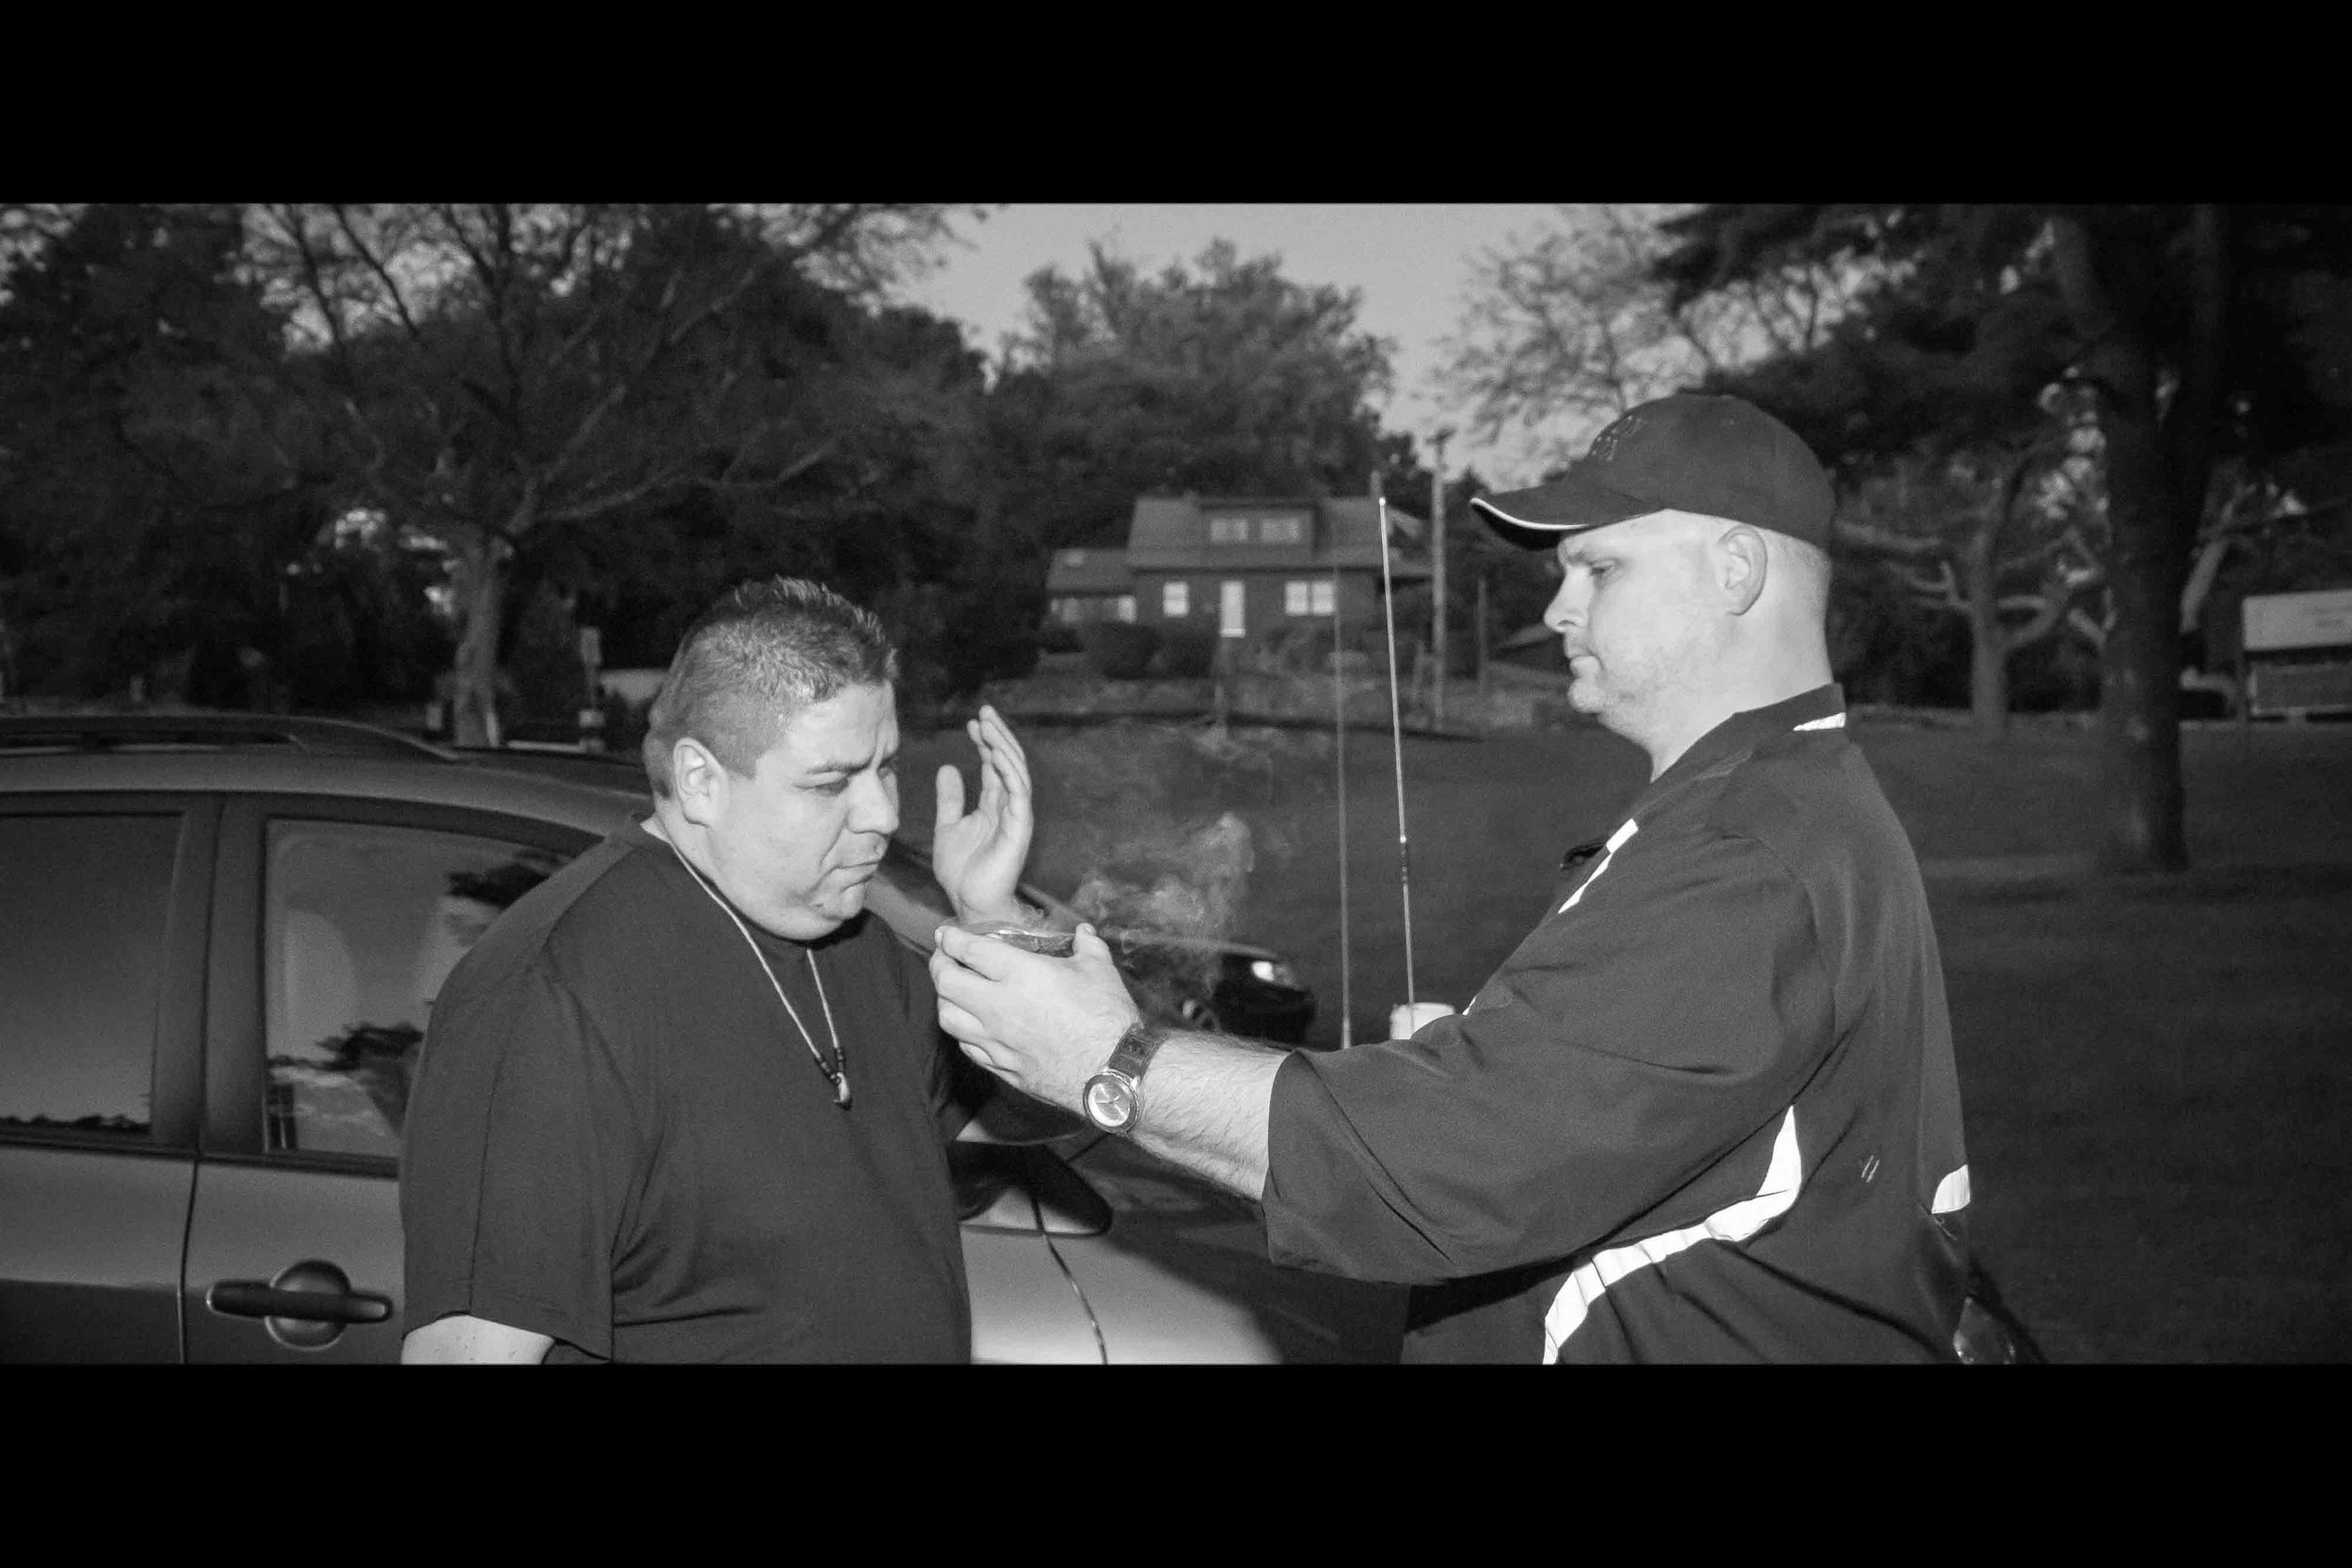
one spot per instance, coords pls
(1205, 1105)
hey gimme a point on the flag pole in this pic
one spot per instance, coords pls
(1396, 734)
(1339, 749)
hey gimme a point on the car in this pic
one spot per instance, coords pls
(219, 937)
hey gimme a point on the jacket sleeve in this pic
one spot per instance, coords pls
(1598, 1083)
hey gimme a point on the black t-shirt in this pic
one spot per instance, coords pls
(618, 1138)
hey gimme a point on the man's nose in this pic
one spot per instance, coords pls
(874, 805)
(1566, 607)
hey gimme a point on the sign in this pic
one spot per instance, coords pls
(2278, 622)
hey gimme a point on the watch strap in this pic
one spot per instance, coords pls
(1134, 1049)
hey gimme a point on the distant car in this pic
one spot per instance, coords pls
(219, 937)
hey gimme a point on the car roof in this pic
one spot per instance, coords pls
(426, 781)
(21, 733)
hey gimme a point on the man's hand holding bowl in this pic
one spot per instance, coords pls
(1042, 1024)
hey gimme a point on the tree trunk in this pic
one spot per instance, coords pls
(2140, 664)
(2139, 661)
(481, 588)
(1988, 650)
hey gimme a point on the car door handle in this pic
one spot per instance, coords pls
(251, 1298)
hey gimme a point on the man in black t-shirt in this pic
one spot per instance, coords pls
(685, 1101)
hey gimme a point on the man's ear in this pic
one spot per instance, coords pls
(698, 779)
(1741, 562)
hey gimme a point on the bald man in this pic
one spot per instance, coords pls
(1707, 1111)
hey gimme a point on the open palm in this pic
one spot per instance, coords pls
(978, 854)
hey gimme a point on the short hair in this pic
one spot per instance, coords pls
(752, 662)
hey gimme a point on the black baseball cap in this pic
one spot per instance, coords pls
(1690, 452)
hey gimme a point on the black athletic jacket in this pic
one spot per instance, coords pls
(1707, 1111)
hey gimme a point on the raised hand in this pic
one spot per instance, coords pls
(977, 855)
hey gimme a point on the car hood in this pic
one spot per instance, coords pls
(1183, 1275)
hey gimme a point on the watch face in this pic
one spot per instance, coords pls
(1110, 1102)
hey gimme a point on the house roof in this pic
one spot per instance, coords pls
(1172, 532)
(1090, 571)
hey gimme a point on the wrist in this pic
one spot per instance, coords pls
(1012, 912)
(1112, 1098)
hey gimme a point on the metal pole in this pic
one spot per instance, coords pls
(1486, 713)
(1339, 749)
(1436, 584)
(1396, 734)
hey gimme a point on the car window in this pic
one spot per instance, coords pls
(361, 923)
(83, 901)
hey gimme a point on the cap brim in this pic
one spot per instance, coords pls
(1535, 519)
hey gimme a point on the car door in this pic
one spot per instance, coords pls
(335, 921)
(102, 902)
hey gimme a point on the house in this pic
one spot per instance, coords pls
(1089, 585)
(1240, 566)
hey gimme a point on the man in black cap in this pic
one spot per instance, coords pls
(1707, 1111)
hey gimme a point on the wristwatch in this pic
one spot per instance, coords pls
(1110, 1099)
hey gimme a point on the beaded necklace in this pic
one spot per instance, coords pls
(837, 1070)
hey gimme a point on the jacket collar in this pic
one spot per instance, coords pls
(1747, 730)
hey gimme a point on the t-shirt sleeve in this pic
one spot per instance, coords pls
(1601, 1077)
(517, 1154)
(957, 1086)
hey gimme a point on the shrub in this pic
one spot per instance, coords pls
(1186, 652)
(1118, 650)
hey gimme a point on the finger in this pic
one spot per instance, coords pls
(967, 1029)
(985, 956)
(949, 795)
(992, 779)
(1007, 749)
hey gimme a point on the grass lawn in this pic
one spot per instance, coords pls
(2156, 1073)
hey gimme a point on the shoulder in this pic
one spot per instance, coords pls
(587, 912)
(1800, 792)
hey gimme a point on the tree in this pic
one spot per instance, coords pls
(2197, 333)
(1967, 469)
(155, 479)
(507, 371)
(2004, 538)
(1567, 328)
(1223, 377)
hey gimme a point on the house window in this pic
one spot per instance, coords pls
(1312, 597)
(1125, 609)
(1229, 530)
(1230, 617)
(1175, 600)
(1281, 530)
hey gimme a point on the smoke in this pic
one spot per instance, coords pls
(1168, 880)
(1160, 826)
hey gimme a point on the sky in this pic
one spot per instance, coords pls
(1410, 260)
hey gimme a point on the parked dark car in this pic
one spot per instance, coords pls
(219, 937)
